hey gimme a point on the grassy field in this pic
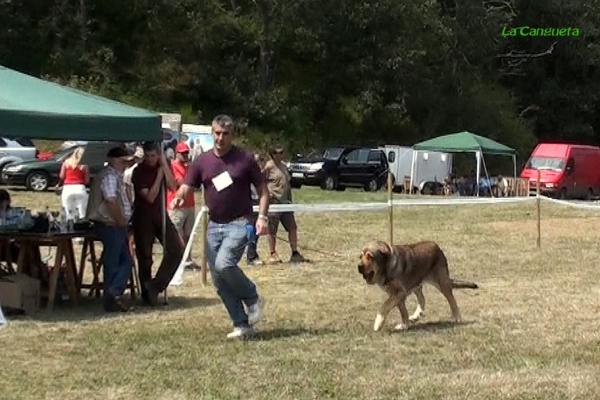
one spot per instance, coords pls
(532, 330)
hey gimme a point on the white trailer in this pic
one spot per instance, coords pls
(430, 166)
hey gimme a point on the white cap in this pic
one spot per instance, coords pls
(139, 152)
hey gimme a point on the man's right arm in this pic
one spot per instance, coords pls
(193, 179)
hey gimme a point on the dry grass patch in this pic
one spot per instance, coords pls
(530, 332)
(550, 227)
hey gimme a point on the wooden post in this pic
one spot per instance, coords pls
(539, 219)
(204, 262)
(391, 207)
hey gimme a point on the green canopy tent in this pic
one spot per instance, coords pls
(464, 142)
(35, 108)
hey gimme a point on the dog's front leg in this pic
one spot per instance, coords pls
(385, 309)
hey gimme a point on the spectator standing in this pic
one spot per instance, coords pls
(110, 209)
(138, 157)
(252, 257)
(148, 206)
(75, 178)
(280, 192)
(184, 216)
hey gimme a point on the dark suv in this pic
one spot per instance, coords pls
(338, 167)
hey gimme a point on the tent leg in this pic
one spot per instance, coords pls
(515, 172)
(412, 171)
(478, 173)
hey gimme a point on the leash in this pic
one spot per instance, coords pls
(311, 250)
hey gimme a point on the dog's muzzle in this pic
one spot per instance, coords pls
(361, 269)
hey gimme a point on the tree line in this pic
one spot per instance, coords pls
(316, 72)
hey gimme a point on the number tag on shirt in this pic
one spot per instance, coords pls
(222, 181)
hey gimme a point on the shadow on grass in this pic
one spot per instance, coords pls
(434, 326)
(282, 333)
(90, 309)
(24, 189)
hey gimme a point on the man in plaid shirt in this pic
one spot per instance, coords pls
(110, 209)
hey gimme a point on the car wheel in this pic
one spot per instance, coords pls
(329, 183)
(295, 185)
(38, 181)
(372, 186)
(563, 194)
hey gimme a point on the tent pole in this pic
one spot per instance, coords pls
(478, 173)
(163, 212)
(412, 171)
(487, 175)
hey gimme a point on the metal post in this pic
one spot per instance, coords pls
(539, 218)
(391, 207)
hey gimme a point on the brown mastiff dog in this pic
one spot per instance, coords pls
(403, 269)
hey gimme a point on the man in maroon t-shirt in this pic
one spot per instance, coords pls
(147, 223)
(226, 173)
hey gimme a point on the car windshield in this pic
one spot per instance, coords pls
(331, 153)
(62, 154)
(546, 163)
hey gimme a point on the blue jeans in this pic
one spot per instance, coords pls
(251, 252)
(225, 247)
(116, 260)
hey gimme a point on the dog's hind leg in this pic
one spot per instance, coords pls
(385, 309)
(420, 311)
(447, 292)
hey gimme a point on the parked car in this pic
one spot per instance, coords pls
(338, 167)
(13, 150)
(39, 175)
(566, 170)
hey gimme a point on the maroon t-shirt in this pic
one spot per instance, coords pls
(143, 177)
(235, 200)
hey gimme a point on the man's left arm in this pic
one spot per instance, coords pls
(257, 178)
(169, 178)
(263, 203)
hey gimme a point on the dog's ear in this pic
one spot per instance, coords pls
(383, 258)
(366, 253)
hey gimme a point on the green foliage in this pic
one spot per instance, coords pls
(315, 72)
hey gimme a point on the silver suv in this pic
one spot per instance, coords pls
(14, 150)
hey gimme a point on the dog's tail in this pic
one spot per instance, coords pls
(458, 284)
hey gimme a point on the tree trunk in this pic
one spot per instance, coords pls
(265, 45)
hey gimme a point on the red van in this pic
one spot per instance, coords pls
(567, 170)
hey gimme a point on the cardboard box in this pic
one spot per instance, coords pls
(20, 292)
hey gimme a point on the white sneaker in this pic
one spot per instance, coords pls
(256, 311)
(242, 333)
